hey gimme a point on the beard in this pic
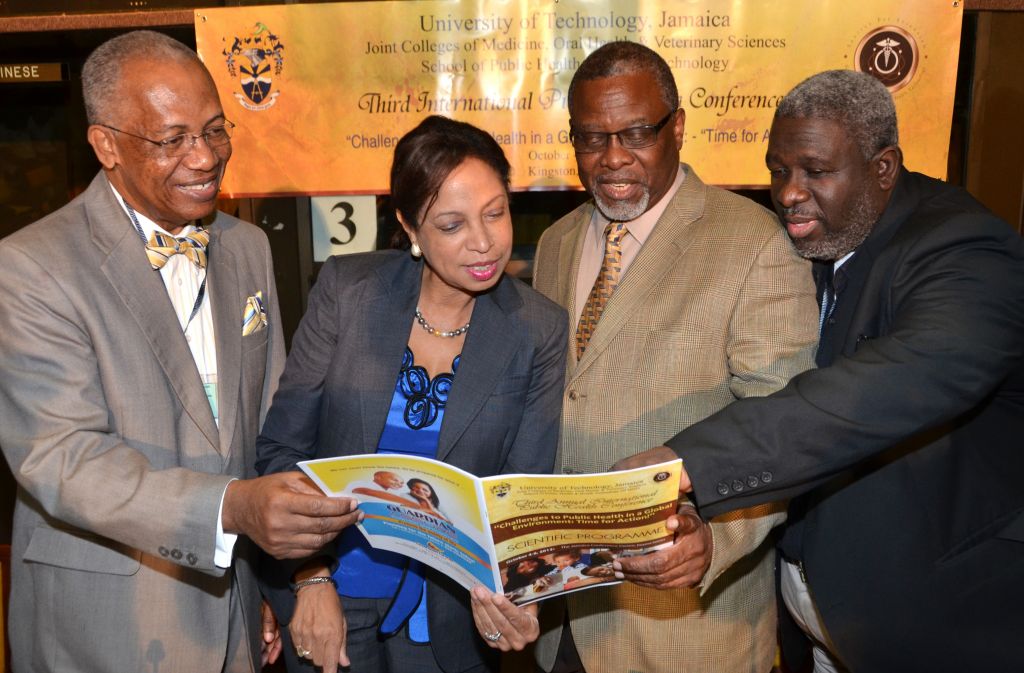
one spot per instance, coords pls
(621, 211)
(837, 242)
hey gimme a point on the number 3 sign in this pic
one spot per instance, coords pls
(343, 224)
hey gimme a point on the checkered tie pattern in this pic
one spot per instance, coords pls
(607, 279)
(162, 247)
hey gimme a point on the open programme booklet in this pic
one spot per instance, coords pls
(529, 536)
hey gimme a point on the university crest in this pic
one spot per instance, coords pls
(254, 56)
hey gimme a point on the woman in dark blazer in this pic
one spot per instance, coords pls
(430, 351)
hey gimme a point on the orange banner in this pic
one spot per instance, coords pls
(322, 92)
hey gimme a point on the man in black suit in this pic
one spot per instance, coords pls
(903, 451)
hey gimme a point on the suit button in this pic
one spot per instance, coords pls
(737, 485)
(176, 554)
(192, 559)
(573, 395)
(163, 552)
(766, 477)
(723, 488)
(752, 481)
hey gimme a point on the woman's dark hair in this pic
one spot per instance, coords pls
(433, 494)
(424, 158)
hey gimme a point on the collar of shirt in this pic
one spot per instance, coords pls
(148, 225)
(842, 260)
(640, 228)
(182, 279)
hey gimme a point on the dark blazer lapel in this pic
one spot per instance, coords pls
(226, 299)
(145, 297)
(658, 256)
(854, 307)
(490, 345)
(387, 316)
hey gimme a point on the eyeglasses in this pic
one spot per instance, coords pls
(178, 146)
(633, 138)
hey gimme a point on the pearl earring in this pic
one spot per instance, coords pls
(415, 250)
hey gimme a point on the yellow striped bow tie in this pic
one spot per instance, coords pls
(162, 247)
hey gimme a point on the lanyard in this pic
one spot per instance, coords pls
(202, 286)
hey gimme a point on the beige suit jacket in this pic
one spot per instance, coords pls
(716, 306)
(120, 466)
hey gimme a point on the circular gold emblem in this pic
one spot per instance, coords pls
(890, 55)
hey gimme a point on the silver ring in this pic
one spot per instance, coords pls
(493, 637)
(302, 652)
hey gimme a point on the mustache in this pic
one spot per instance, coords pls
(609, 178)
(798, 212)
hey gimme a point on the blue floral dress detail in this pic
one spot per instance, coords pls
(417, 408)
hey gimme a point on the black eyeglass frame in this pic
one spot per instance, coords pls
(656, 128)
(167, 144)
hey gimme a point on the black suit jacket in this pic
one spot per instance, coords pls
(333, 399)
(907, 444)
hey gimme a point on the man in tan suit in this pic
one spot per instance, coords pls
(132, 386)
(708, 304)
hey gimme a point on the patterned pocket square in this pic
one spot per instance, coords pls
(254, 316)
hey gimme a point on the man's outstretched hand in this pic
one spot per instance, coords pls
(285, 514)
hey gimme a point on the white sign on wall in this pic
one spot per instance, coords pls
(343, 225)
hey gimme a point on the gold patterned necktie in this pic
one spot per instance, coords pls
(607, 279)
(162, 247)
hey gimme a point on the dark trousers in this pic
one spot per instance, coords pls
(567, 659)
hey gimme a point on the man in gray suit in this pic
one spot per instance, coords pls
(133, 380)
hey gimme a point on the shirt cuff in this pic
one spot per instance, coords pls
(225, 541)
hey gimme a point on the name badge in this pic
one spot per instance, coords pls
(210, 386)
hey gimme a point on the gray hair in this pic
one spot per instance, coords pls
(626, 58)
(856, 101)
(101, 74)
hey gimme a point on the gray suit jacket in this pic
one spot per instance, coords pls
(120, 465)
(501, 416)
(715, 307)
